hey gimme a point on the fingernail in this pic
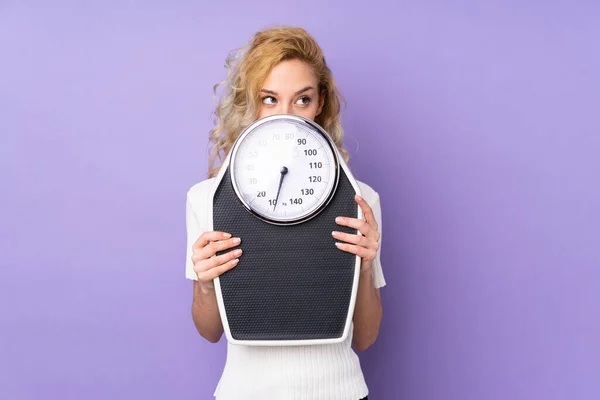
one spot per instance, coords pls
(226, 235)
(359, 198)
(236, 240)
(237, 253)
(334, 233)
(339, 220)
(338, 244)
(235, 261)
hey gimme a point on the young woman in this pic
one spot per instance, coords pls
(282, 71)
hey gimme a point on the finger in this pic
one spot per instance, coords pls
(355, 239)
(212, 273)
(355, 223)
(205, 264)
(208, 237)
(364, 253)
(212, 248)
(367, 212)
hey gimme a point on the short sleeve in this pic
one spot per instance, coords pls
(378, 277)
(194, 231)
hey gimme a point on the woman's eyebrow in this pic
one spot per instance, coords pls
(303, 90)
(295, 94)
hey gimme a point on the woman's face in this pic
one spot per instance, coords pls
(291, 88)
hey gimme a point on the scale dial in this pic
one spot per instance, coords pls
(284, 169)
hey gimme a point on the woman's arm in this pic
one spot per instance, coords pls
(205, 314)
(367, 310)
(207, 266)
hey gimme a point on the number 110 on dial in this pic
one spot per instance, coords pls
(284, 169)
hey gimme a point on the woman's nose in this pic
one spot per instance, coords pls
(286, 108)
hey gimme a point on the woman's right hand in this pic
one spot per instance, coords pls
(206, 264)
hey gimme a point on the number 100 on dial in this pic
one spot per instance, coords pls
(284, 170)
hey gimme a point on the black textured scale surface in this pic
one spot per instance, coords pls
(292, 282)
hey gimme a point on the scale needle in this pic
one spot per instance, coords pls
(283, 172)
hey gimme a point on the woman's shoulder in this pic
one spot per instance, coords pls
(200, 191)
(368, 193)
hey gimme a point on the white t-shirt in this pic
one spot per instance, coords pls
(318, 372)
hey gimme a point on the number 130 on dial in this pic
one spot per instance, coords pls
(284, 169)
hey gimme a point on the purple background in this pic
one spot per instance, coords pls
(477, 122)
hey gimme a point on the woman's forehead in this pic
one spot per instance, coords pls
(290, 75)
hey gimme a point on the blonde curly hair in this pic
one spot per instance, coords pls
(248, 68)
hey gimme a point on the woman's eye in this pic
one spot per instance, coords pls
(268, 100)
(304, 100)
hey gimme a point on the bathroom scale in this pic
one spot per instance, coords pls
(280, 189)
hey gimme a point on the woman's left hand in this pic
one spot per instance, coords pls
(365, 246)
